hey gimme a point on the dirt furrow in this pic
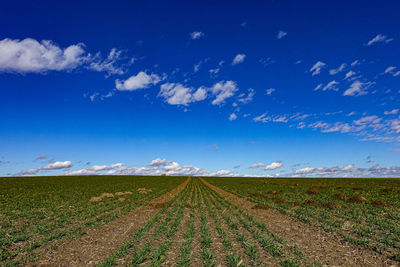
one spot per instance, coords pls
(316, 244)
(91, 248)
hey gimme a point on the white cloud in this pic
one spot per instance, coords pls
(270, 91)
(53, 166)
(331, 86)
(239, 58)
(248, 98)
(29, 55)
(338, 69)
(158, 162)
(355, 63)
(196, 35)
(392, 112)
(319, 86)
(223, 90)
(141, 80)
(57, 165)
(358, 88)
(389, 69)
(200, 94)
(274, 165)
(109, 65)
(277, 118)
(349, 74)
(316, 68)
(257, 165)
(232, 117)
(304, 170)
(176, 93)
(281, 34)
(379, 39)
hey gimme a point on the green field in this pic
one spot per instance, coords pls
(363, 211)
(198, 224)
(37, 210)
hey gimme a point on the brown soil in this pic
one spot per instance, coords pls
(316, 244)
(331, 205)
(91, 248)
(357, 199)
(310, 203)
(379, 203)
(339, 196)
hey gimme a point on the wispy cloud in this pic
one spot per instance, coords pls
(196, 35)
(316, 68)
(358, 88)
(281, 34)
(338, 69)
(239, 58)
(380, 38)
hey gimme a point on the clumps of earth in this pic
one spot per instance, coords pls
(110, 195)
(144, 190)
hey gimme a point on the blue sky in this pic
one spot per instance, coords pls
(279, 88)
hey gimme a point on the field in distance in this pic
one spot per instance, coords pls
(191, 221)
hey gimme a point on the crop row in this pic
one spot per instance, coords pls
(333, 206)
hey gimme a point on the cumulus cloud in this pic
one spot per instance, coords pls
(196, 35)
(239, 58)
(57, 165)
(358, 88)
(379, 39)
(223, 90)
(176, 93)
(281, 34)
(158, 162)
(141, 80)
(338, 69)
(316, 68)
(274, 165)
(29, 55)
(232, 117)
(348, 170)
(53, 166)
(257, 165)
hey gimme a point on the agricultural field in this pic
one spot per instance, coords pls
(365, 212)
(191, 221)
(38, 212)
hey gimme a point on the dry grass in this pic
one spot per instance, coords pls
(144, 190)
(109, 195)
(95, 199)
